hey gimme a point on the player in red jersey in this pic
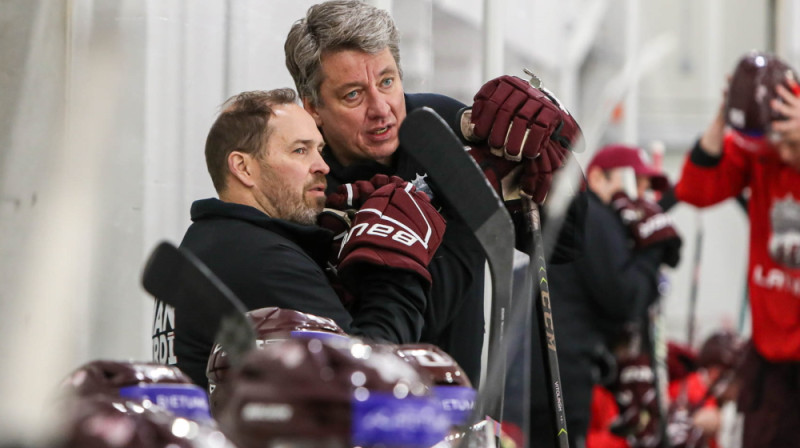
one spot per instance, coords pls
(754, 142)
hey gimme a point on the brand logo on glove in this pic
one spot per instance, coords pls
(383, 230)
(654, 224)
(395, 229)
(636, 374)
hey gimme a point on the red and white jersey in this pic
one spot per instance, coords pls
(774, 209)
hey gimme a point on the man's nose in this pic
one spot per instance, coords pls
(319, 165)
(377, 104)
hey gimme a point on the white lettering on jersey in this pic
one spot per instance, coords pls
(164, 334)
(776, 279)
(636, 374)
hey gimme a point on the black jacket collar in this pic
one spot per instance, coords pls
(314, 240)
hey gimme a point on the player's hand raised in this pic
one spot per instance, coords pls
(649, 226)
(524, 124)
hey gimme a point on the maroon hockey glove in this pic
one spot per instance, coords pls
(534, 177)
(339, 223)
(498, 171)
(396, 227)
(352, 196)
(649, 226)
(636, 397)
(523, 123)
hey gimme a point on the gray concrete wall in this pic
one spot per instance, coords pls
(32, 92)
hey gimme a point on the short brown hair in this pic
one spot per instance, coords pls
(333, 26)
(242, 126)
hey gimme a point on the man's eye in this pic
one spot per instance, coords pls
(351, 95)
(387, 82)
(301, 150)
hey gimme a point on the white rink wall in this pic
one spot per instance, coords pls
(105, 104)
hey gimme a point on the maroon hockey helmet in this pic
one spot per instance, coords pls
(433, 361)
(160, 384)
(271, 325)
(751, 89)
(722, 349)
(329, 393)
(107, 377)
(103, 421)
(452, 388)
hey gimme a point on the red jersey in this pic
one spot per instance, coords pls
(774, 209)
(695, 387)
(604, 412)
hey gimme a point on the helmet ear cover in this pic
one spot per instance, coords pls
(752, 87)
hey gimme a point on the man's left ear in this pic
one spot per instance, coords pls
(312, 110)
(240, 165)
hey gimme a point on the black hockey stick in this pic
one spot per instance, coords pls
(461, 185)
(698, 256)
(179, 279)
(657, 332)
(544, 313)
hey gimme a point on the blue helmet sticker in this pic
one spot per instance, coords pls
(456, 401)
(183, 400)
(380, 418)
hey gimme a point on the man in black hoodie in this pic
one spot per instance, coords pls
(261, 239)
(611, 285)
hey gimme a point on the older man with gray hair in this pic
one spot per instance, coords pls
(345, 61)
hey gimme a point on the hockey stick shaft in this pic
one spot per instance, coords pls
(176, 276)
(658, 354)
(181, 280)
(698, 255)
(659, 347)
(462, 187)
(544, 313)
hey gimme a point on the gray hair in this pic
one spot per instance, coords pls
(333, 26)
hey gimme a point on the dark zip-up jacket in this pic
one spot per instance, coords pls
(454, 317)
(272, 262)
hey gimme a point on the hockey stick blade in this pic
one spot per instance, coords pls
(461, 185)
(181, 280)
